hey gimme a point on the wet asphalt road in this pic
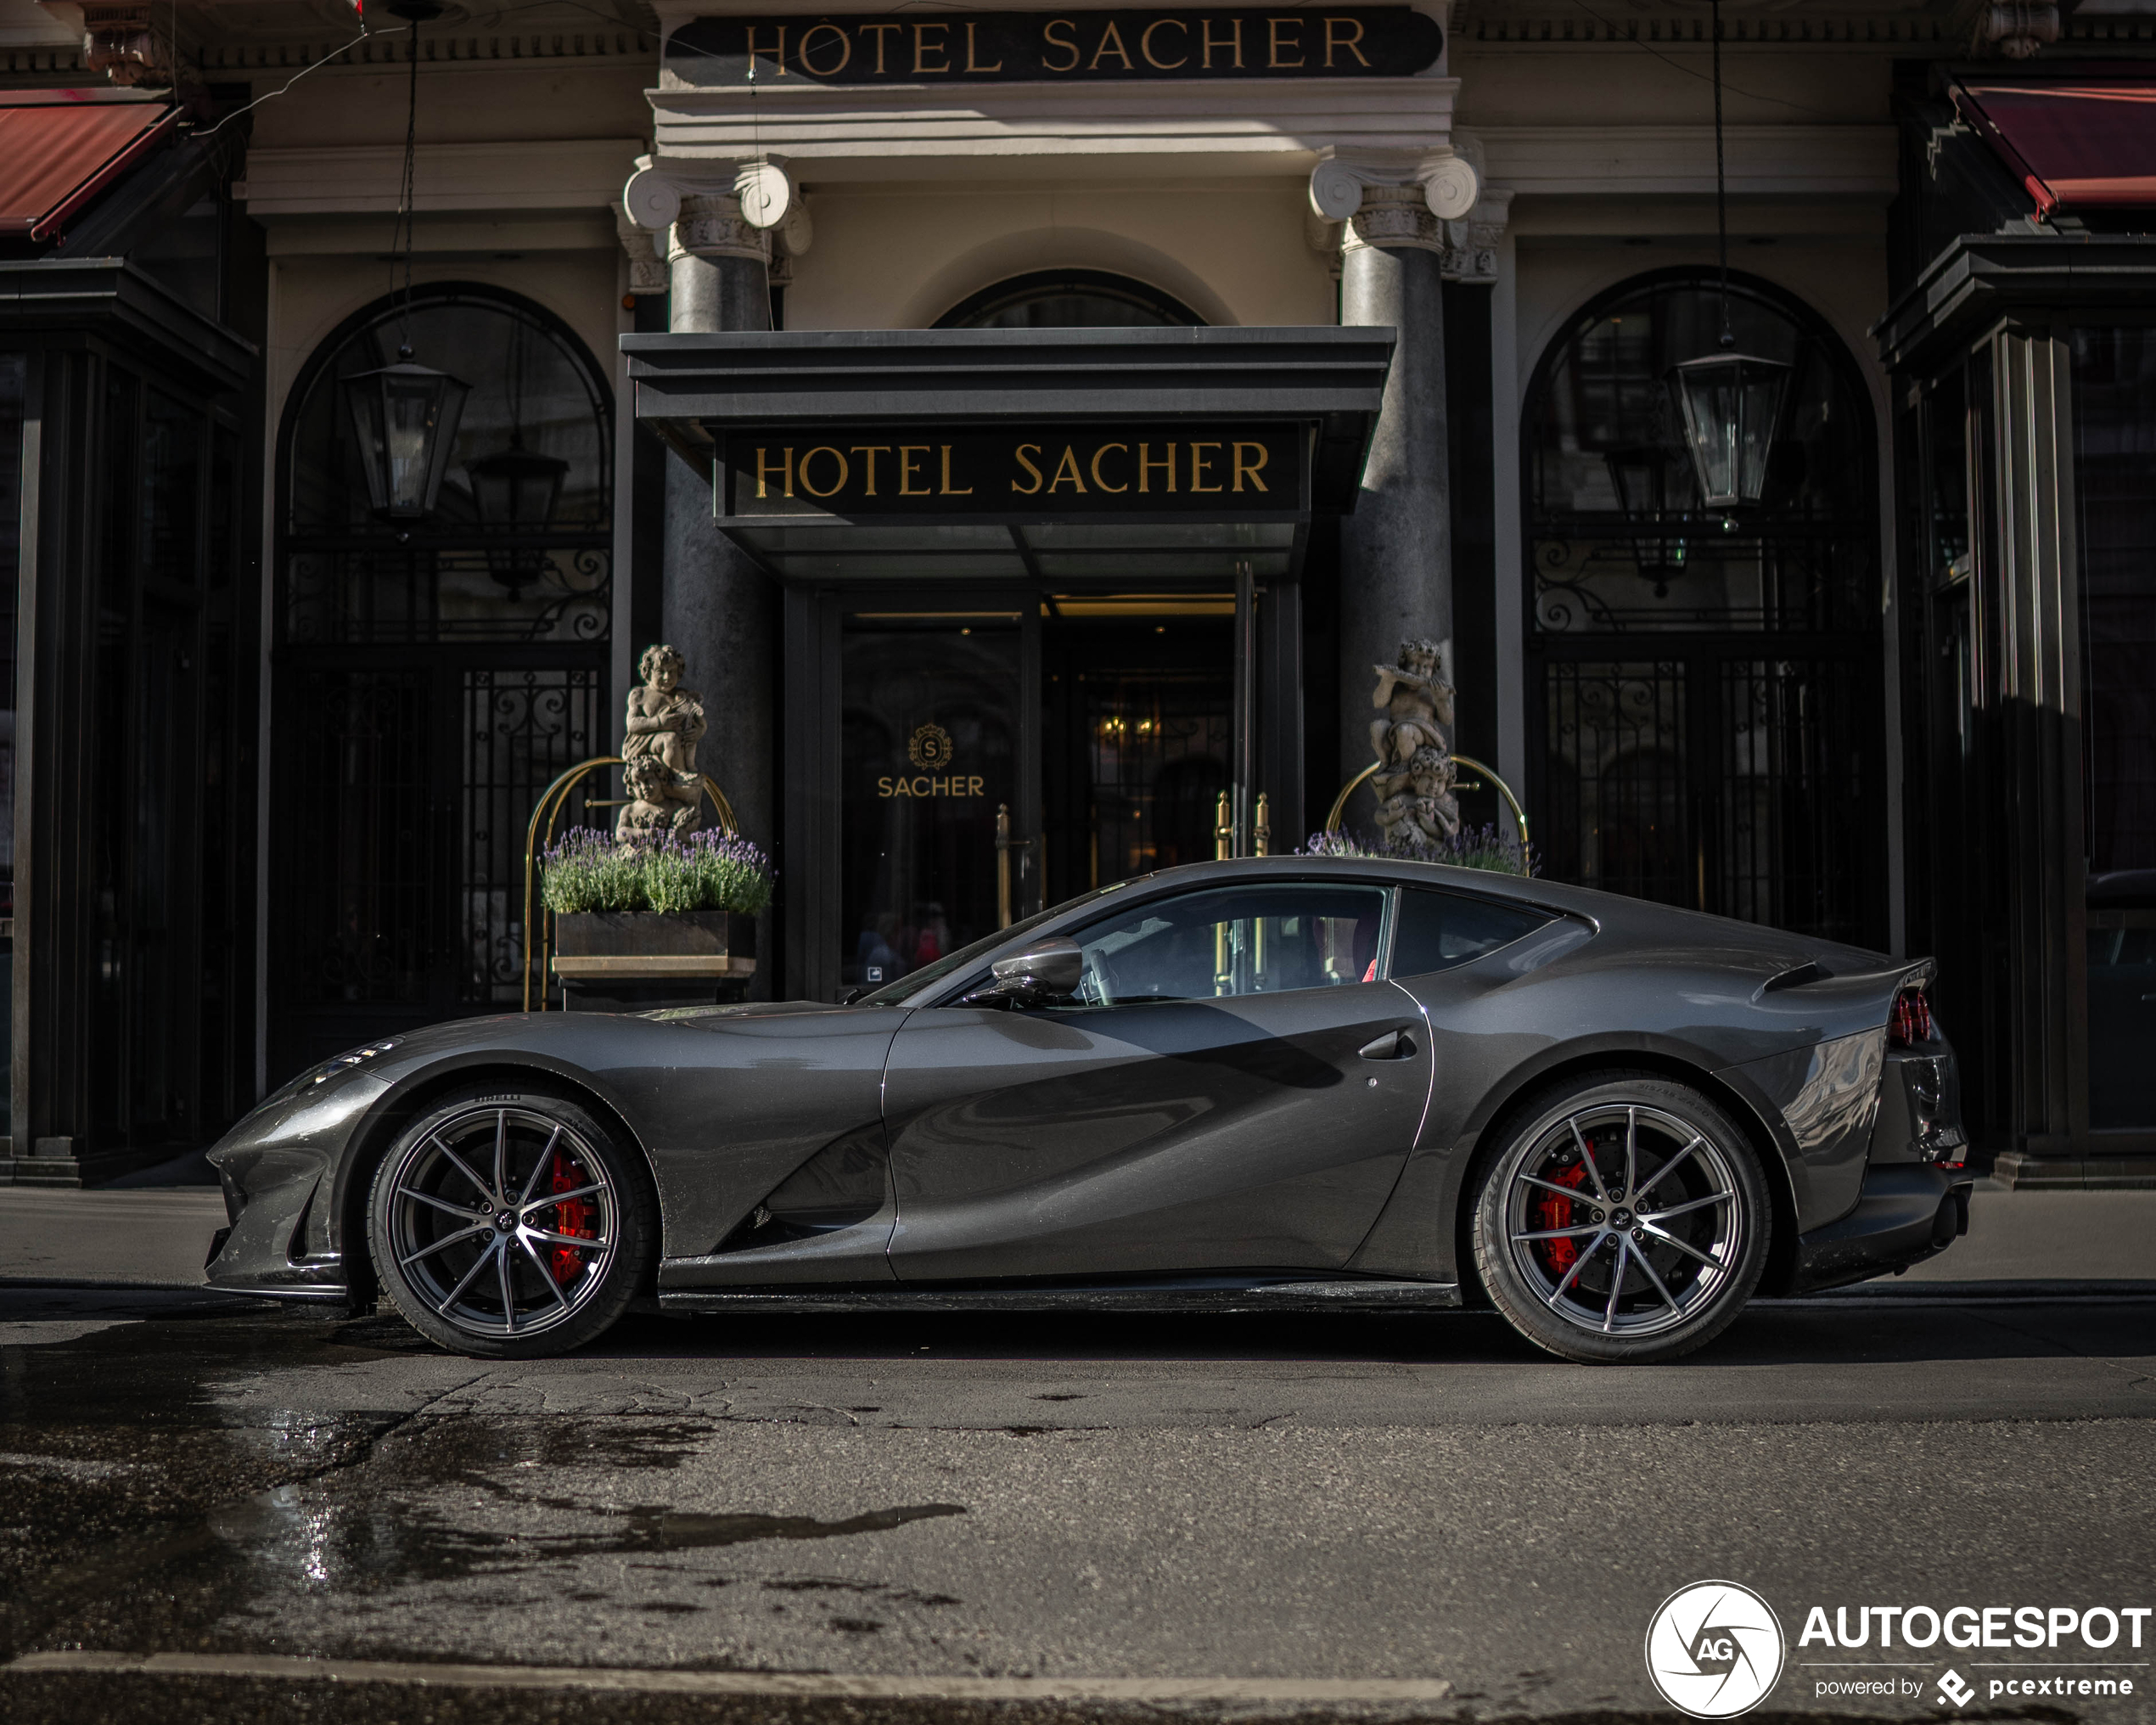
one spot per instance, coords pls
(953, 1496)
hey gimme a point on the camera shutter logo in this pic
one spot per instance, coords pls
(930, 747)
(1714, 1649)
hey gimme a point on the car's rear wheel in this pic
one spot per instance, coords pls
(1624, 1218)
(511, 1224)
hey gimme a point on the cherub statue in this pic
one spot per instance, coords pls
(1421, 809)
(659, 758)
(1417, 705)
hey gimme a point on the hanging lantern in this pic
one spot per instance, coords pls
(1732, 404)
(1639, 474)
(516, 491)
(406, 418)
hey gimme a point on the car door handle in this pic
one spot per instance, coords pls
(1394, 1045)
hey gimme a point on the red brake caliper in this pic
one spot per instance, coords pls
(574, 1217)
(1549, 1211)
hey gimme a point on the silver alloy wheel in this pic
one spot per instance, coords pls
(1624, 1220)
(503, 1221)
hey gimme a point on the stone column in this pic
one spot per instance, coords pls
(718, 608)
(1396, 549)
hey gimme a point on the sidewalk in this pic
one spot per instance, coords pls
(158, 1238)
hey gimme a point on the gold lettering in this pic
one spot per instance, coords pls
(1027, 491)
(877, 31)
(1100, 483)
(1109, 34)
(1147, 465)
(1272, 28)
(780, 56)
(765, 470)
(1254, 469)
(1145, 43)
(884, 785)
(1049, 38)
(845, 50)
(949, 490)
(871, 451)
(1333, 39)
(972, 62)
(1233, 39)
(1198, 468)
(918, 784)
(974, 784)
(907, 454)
(921, 47)
(1069, 465)
(837, 485)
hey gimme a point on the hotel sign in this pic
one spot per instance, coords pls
(1184, 467)
(1348, 42)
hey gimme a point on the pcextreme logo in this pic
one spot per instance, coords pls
(1714, 1650)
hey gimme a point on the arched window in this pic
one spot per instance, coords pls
(1705, 676)
(1070, 300)
(437, 672)
(517, 545)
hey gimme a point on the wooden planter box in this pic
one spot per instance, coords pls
(593, 947)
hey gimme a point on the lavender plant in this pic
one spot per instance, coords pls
(1478, 847)
(589, 870)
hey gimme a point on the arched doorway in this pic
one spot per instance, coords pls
(1071, 299)
(1705, 696)
(435, 674)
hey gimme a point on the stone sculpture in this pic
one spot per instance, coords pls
(659, 772)
(1413, 744)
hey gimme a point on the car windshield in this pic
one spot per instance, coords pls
(896, 993)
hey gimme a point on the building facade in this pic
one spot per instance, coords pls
(1036, 426)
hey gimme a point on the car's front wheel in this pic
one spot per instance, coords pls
(1624, 1218)
(511, 1224)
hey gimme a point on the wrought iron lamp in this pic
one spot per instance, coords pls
(516, 491)
(1731, 402)
(406, 414)
(1639, 474)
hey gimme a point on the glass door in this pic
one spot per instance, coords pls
(939, 806)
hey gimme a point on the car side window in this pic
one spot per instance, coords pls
(1232, 940)
(1435, 930)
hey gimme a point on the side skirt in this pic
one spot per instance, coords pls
(1210, 1295)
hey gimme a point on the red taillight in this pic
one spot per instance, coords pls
(1911, 1021)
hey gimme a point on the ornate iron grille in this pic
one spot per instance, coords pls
(359, 594)
(522, 730)
(1616, 778)
(364, 895)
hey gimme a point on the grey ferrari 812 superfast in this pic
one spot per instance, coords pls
(1285, 1083)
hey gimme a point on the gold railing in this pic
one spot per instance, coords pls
(547, 814)
(1503, 790)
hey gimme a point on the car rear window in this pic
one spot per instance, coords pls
(1436, 931)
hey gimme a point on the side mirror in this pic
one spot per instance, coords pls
(1045, 970)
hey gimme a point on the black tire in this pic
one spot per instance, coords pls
(1591, 1278)
(579, 1241)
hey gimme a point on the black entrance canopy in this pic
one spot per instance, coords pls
(1056, 454)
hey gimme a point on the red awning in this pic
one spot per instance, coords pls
(2078, 141)
(56, 156)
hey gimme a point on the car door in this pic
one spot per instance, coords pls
(1230, 1088)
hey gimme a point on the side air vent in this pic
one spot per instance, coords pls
(1796, 978)
(843, 1183)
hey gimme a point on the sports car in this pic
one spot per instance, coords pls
(1275, 1084)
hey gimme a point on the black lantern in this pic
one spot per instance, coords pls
(516, 491)
(406, 418)
(1732, 404)
(1640, 476)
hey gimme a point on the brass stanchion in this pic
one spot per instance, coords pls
(1003, 865)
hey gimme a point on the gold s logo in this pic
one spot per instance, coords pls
(930, 747)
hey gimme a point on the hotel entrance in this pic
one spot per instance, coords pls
(1042, 597)
(998, 758)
